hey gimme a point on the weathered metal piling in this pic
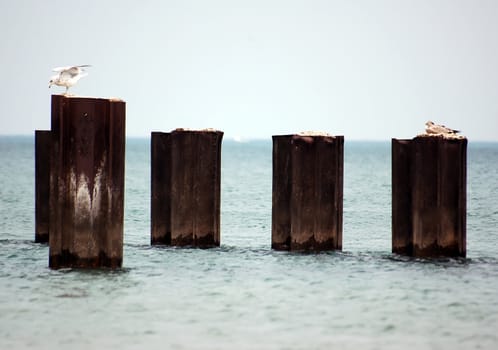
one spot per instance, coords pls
(186, 179)
(87, 182)
(43, 142)
(160, 147)
(429, 177)
(307, 198)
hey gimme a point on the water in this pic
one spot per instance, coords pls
(243, 295)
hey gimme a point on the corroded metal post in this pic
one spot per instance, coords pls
(43, 142)
(281, 192)
(307, 192)
(186, 192)
(401, 197)
(433, 223)
(160, 188)
(87, 182)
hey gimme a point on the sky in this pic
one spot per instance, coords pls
(368, 70)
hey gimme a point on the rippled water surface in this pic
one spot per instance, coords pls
(243, 295)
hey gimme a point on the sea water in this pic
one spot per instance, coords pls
(243, 295)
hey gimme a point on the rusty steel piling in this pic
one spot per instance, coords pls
(42, 185)
(429, 176)
(87, 182)
(185, 198)
(401, 170)
(307, 192)
(160, 188)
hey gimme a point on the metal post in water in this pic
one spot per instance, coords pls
(160, 188)
(433, 221)
(42, 184)
(186, 197)
(401, 169)
(307, 203)
(281, 192)
(87, 182)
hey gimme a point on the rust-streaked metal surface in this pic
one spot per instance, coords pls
(307, 202)
(401, 172)
(87, 182)
(43, 141)
(160, 188)
(437, 211)
(187, 188)
(282, 185)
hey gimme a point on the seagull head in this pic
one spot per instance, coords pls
(429, 123)
(53, 81)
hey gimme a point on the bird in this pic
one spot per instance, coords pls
(431, 128)
(68, 76)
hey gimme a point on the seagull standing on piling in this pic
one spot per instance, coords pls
(68, 76)
(431, 128)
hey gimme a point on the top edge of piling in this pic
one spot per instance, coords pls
(309, 134)
(442, 136)
(196, 130)
(314, 133)
(111, 99)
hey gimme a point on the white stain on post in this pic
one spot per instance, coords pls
(88, 201)
(83, 202)
(97, 183)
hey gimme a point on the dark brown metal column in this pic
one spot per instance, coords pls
(304, 205)
(195, 187)
(43, 142)
(160, 188)
(425, 201)
(401, 168)
(87, 182)
(330, 163)
(438, 197)
(282, 185)
(429, 196)
(453, 235)
(307, 192)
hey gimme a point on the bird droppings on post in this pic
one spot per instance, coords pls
(443, 136)
(196, 130)
(110, 99)
(314, 133)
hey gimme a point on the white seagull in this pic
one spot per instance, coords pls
(68, 76)
(431, 128)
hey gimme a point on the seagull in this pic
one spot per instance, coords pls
(68, 76)
(431, 128)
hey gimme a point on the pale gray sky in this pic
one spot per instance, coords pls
(256, 68)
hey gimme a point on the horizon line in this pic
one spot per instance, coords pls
(240, 139)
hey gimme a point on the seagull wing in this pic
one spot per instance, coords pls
(68, 73)
(60, 69)
(73, 71)
(450, 130)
